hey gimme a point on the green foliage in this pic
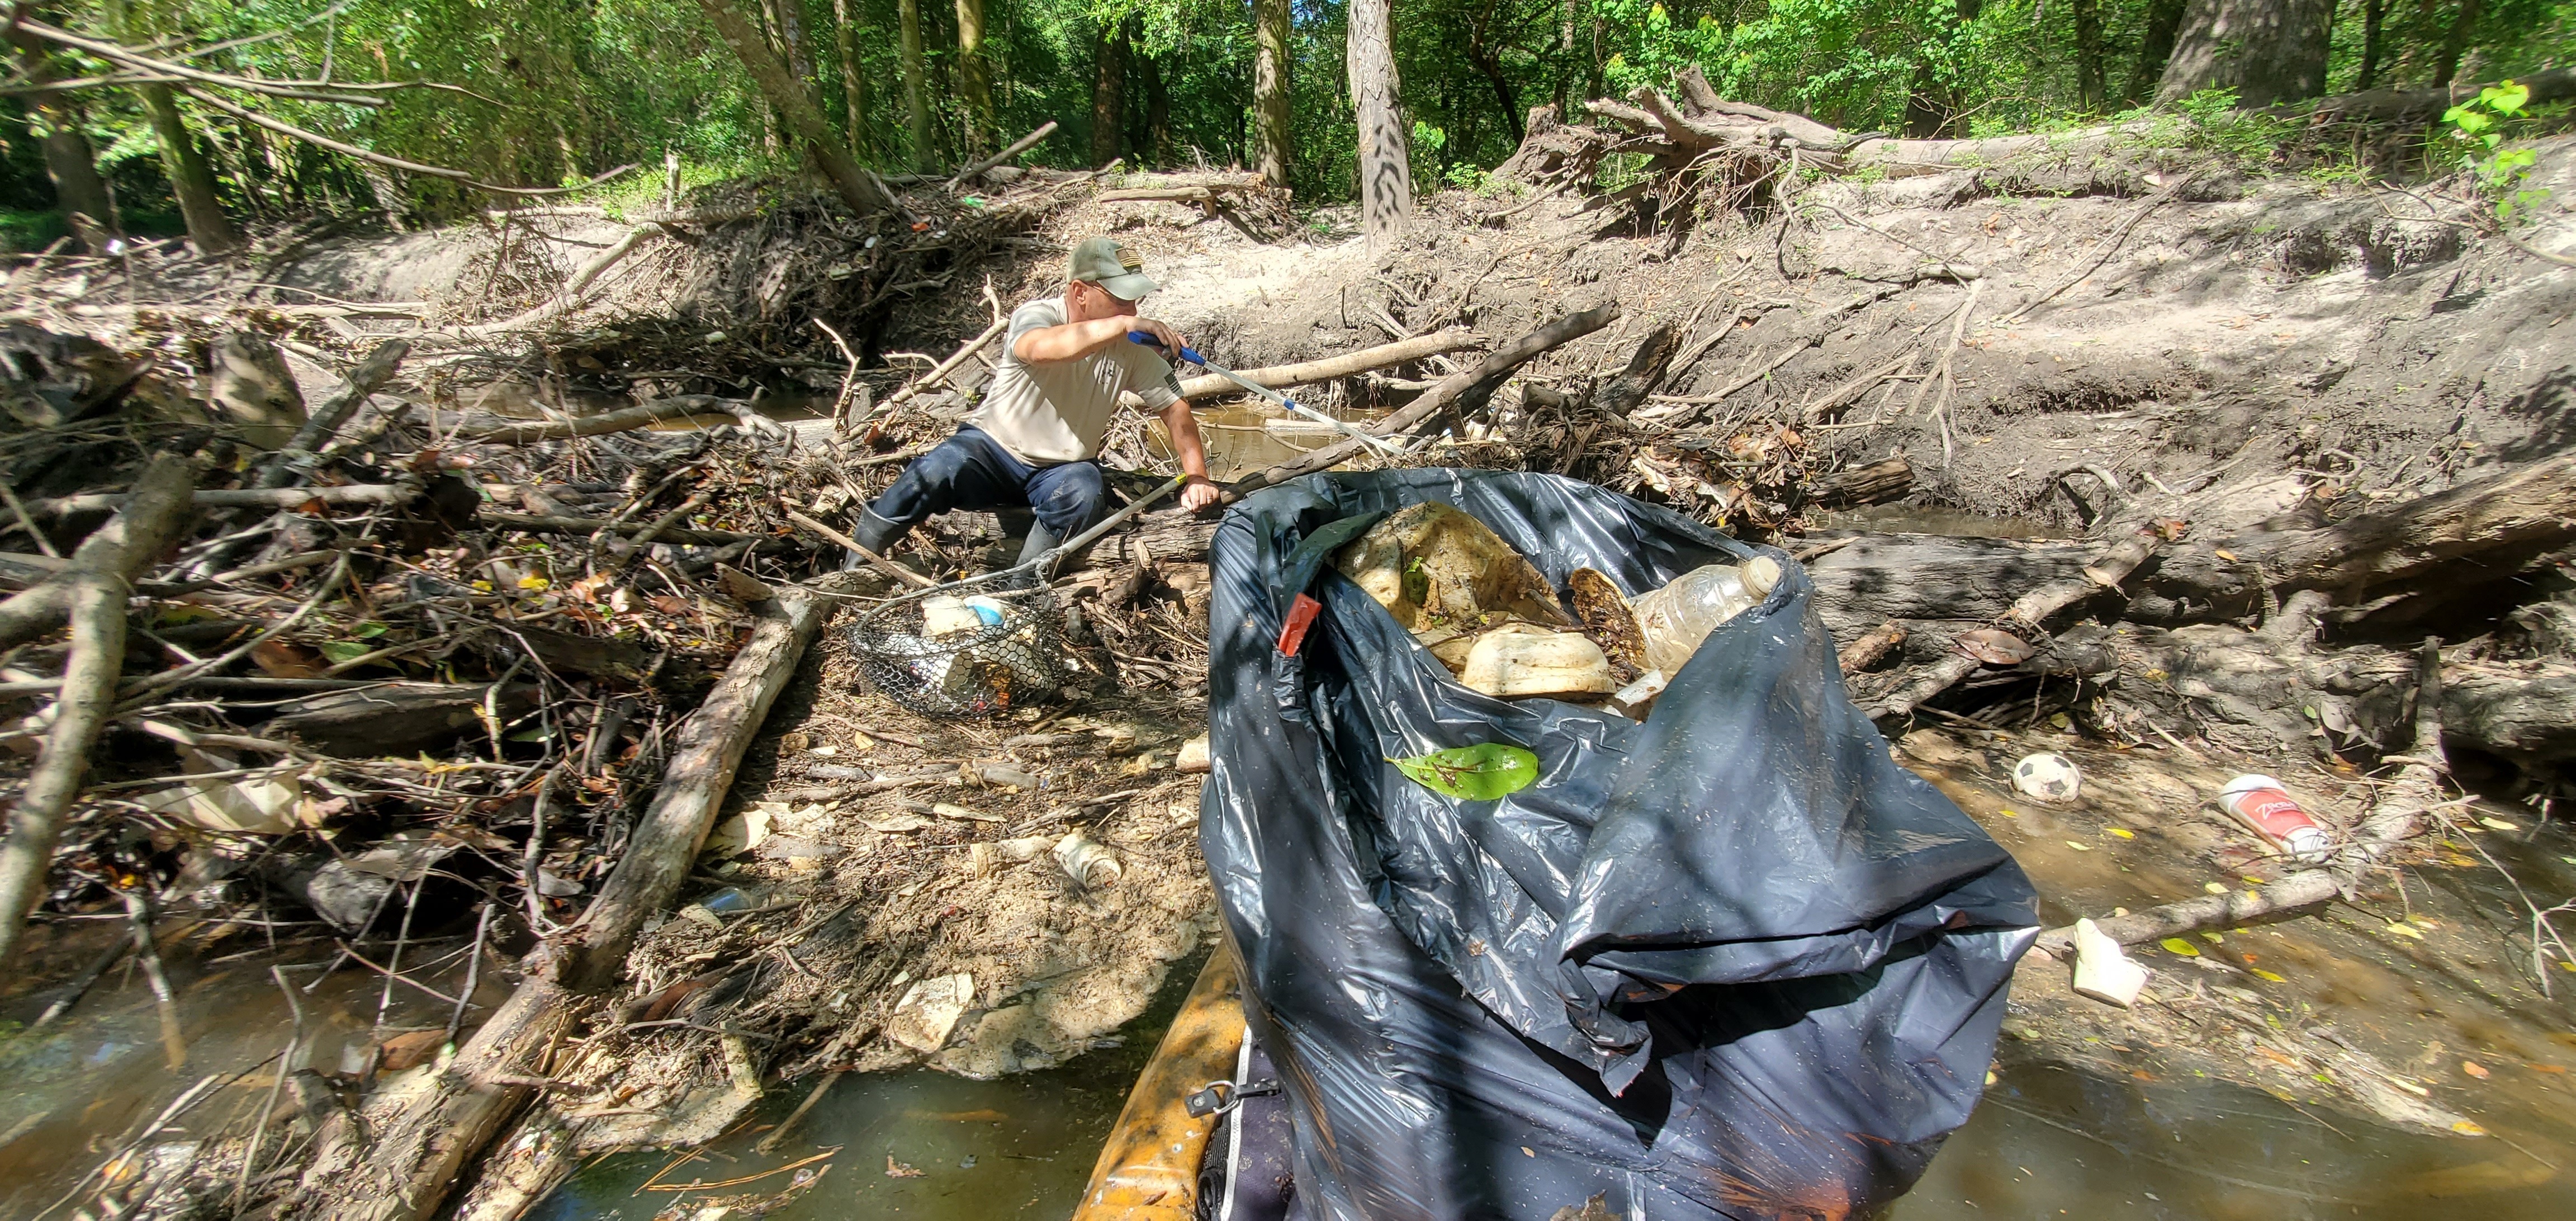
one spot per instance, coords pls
(2477, 132)
(1487, 771)
(560, 91)
(2246, 137)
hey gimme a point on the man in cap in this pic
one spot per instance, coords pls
(1033, 439)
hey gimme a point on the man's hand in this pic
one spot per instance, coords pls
(1165, 338)
(1199, 493)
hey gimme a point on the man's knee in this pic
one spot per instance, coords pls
(1070, 496)
(933, 483)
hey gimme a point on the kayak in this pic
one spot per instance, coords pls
(1149, 1167)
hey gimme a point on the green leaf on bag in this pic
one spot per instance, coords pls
(1482, 772)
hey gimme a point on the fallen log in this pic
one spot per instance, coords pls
(370, 375)
(2463, 535)
(1463, 391)
(1199, 195)
(2226, 681)
(533, 523)
(1879, 577)
(1881, 481)
(150, 520)
(2400, 105)
(1876, 643)
(93, 592)
(1170, 536)
(400, 1160)
(386, 494)
(1015, 148)
(1328, 368)
(672, 410)
(396, 718)
(2025, 619)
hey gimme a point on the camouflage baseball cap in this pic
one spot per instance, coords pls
(1113, 266)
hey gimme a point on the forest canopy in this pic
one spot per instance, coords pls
(550, 92)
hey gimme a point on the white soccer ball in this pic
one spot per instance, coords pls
(2048, 777)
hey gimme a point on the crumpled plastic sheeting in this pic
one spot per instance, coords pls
(1730, 962)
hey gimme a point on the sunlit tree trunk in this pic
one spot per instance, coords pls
(854, 87)
(791, 39)
(1385, 164)
(1270, 89)
(795, 105)
(78, 190)
(916, 90)
(2089, 75)
(191, 182)
(2266, 50)
(974, 77)
(2155, 48)
(1108, 92)
(191, 179)
(2464, 24)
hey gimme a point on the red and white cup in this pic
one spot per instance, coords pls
(2265, 806)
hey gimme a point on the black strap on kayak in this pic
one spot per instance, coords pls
(1222, 1096)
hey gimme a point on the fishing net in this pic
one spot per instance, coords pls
(966, 673)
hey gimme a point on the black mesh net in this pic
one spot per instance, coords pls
(970, 673)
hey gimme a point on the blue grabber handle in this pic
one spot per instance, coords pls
(1189, 356)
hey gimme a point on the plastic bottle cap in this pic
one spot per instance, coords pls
(1760, 575)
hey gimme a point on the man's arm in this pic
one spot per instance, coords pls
(1199, 492)
(1048, 344)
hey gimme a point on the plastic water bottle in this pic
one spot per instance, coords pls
(1676, 618)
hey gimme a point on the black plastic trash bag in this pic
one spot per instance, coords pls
(1730, 962)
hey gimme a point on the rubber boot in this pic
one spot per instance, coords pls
(1041, 540)
(874, 533)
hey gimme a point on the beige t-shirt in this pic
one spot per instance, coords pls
(1056, 411)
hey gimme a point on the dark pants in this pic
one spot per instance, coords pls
(971, 470)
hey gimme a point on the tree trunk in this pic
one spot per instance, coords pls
(854, 87)
(1385, 163)
(2155, 49)
(2268, 51)
(1158, 113)
(190, 178)
(2374, 18)
(791, 40)
(1108, 92)
(78, 190)
(916, 91)
(1489, 62)
(2456, 43)
(795, 104)
(1270, 90)
(974, 78)
(2089, 74)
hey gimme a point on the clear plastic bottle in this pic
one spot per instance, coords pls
(1676, 618)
